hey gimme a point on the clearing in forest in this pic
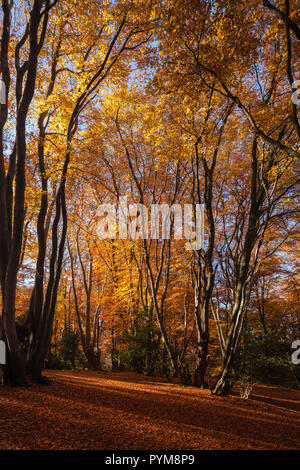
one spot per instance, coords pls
(115, 411)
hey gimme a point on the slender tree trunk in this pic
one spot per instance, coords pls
(258, 191)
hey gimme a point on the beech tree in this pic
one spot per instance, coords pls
(12, 201)
(167, 103)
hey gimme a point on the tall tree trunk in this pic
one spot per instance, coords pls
(202, 270)
(227, 376)
(16, 365)
(258, 193)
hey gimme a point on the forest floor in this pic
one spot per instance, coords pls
(114, 411)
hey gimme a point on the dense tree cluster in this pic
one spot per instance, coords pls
(165, 103)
